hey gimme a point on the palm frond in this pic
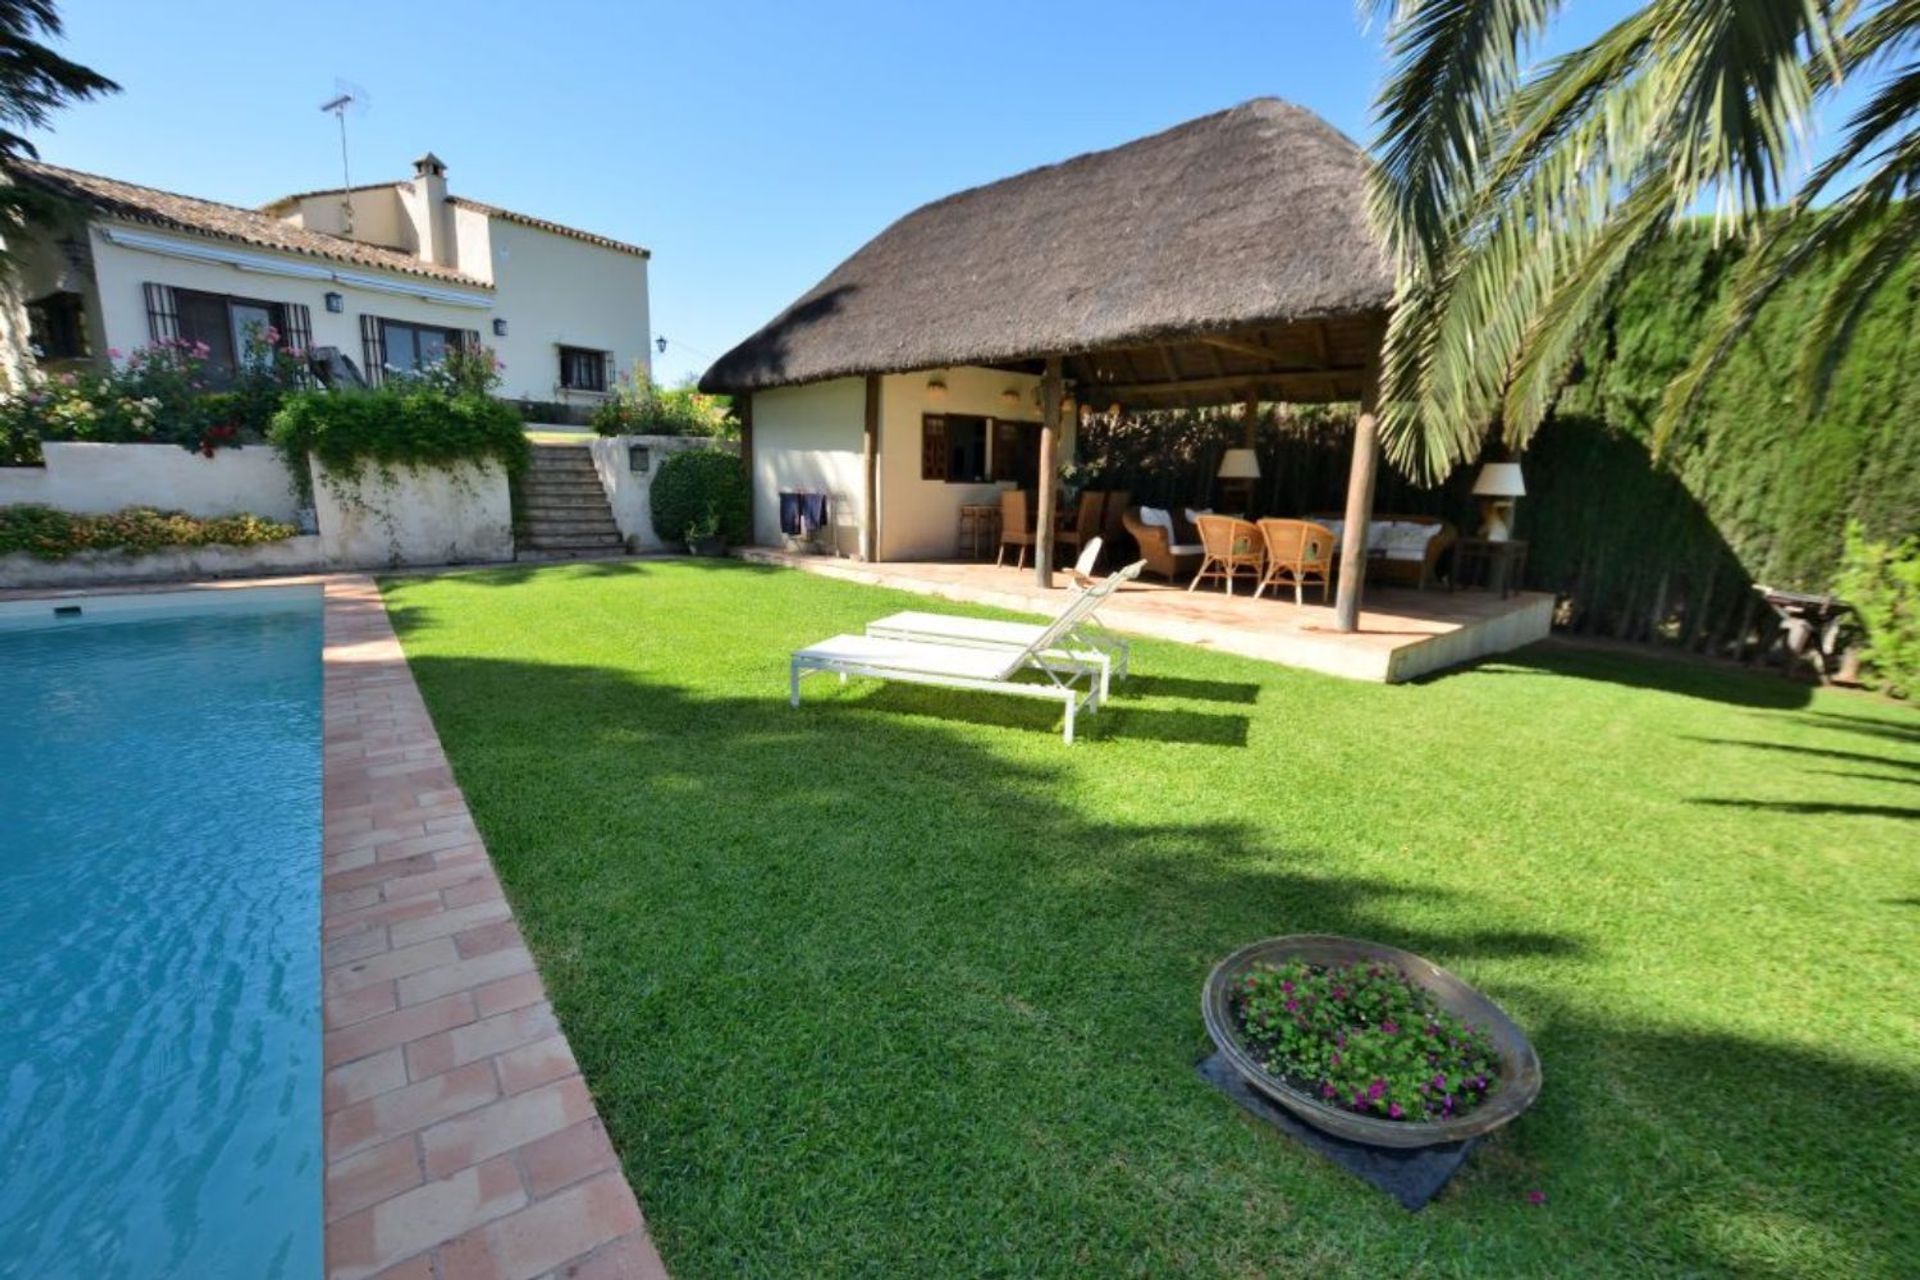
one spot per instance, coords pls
(1455, 64)
(1885, 128)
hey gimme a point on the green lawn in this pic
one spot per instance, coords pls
(898, 984)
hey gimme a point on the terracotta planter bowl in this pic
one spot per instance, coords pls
(1519, 1066)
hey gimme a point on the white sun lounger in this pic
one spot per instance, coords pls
(962, 666)
(1086, 641)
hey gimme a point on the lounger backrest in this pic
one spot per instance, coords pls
(1077, 611)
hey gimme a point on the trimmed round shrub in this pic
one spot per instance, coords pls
(700, 484)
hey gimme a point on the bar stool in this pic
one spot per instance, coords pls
(976, 531)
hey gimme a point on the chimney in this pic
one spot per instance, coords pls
(430, 210)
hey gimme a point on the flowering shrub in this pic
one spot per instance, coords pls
(54, 535)
(463, 371)
(159, 394)
(641, 408)
(1363, 1037)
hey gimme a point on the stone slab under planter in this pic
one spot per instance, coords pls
(1411, 1175)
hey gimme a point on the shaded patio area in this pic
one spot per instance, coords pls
(1403, 633)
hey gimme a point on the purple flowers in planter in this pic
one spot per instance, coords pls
(1363, 1037)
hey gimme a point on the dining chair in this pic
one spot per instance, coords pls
(1230, 547)
(1298, 552)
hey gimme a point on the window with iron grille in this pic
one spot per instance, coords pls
(584, 369)
(233, 330)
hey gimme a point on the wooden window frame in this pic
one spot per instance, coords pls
(601, 361)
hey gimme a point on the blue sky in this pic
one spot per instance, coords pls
(750, 146)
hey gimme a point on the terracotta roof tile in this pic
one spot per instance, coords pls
(113, 198)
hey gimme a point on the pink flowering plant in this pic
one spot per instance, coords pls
(161, 393)
(1363, 1038)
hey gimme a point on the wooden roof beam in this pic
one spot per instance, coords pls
(1236, 383)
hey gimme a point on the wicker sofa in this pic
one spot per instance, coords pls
(1166, 558)
(1410, 560)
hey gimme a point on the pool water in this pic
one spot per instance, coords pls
(160, 1055)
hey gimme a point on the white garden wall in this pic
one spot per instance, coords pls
(91, 568)
(407, 516)
(630, 492)
(97, 479)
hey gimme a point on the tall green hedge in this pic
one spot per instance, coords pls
(1759, 485)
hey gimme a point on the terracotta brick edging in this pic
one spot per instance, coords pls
(461, 1141)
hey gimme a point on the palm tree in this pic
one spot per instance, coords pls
(34, 82)
(1511, 201)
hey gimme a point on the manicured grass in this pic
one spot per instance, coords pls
(898, 984)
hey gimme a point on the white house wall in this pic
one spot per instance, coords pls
(120, 271)
(919, 518)
(810, 439)
(555, 291)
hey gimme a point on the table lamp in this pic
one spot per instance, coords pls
(1498, 485)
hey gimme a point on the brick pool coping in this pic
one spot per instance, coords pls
(461, 1140)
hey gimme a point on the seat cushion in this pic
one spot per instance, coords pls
(1188, 548)
(1158, 518)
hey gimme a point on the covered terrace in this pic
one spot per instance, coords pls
(1227, 261)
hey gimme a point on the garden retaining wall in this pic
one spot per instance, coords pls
(406, 516)
(302, 554)
(98, 479)
(630, 492)
(429, 516)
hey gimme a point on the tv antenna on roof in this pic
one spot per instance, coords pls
(347, 96)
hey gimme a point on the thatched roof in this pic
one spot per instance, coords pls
(1250, 217)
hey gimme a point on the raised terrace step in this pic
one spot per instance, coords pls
(564, 506)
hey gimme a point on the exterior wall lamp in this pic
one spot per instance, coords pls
(335, 303)
(499, 326)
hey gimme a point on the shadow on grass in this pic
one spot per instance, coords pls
(1648, 669)
(769, 931)
(1810, 807)
(1115, 719)
(1817, 753)
(1140, 686)
(1866, 726)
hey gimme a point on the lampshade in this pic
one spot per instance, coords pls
(1239, 464)
(1500, 480)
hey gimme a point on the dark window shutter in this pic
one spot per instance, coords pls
(299, 334)
(1006, 450)
(373, 349)
(163, 316)
(933, 447)
(469, 339)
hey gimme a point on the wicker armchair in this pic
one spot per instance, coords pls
(1298, 552)
(1016, 527)
(1165, 558)
(1233, 547)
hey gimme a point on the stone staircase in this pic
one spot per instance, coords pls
(566, 509)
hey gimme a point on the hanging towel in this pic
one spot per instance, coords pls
(813, 511)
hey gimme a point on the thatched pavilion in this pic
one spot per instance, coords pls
(1227, 260)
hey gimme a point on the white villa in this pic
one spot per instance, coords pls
(387, 275)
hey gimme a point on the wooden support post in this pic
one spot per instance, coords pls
(1250, 422)
(743, 410)
(1353, 537)
(1051, 389)
(870, 474)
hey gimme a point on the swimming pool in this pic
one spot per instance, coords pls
(160, 1057)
